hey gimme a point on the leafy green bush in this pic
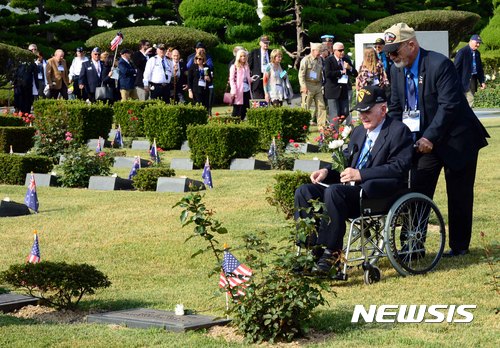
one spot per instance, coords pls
(289, 123)
(180, 37)
(243, 32)
(147, 178)
(10, 57)
(491, 62)
(221, 143)
(13, 168)
(11, 121)
(488, 97)
(80, 164)
(491, 33)
(283, 191)
(21, 138)
(167, 123)
(457, 23)
(129, 115)
(54, 118)
(57, 284)
(224, 119)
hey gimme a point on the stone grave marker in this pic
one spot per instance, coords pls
(309, 165)
(109, 183)
(185, 146)
(41, 180)
(302, 148)
(10, 302)
(166, 184)
(127, 162)
(249, 164)
(152, 318)
(141, 145)
(181, 163)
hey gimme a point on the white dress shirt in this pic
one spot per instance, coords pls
(76, 66)
(155, 72)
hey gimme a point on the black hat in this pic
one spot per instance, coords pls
(369, 96)
(125, 51)
(199, 44)
(79, 49)
(96, 50)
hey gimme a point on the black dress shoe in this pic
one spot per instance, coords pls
(454, 253)
(328, 263)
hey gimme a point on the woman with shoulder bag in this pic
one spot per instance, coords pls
(276, 85)
(240, 80)
(200, 78)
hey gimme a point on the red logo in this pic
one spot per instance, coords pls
(390, 37)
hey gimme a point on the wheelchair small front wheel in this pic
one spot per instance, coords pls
(372, 275)
(414, 234)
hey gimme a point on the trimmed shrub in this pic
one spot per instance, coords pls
(488, 97)
(147, 178)
(491, 62)
(221, 143)
(283, 191)
(21, 138)
(13, 168)
(54, 118)
(11, 121)
(457, 23)
(167, 123)
(80, 164)
(289, 123)
(129, 115)
(224, 119)
(180, 37)
(10, 58)
(57, 284)
(491, 33)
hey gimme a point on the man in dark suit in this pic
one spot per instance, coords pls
(470, 68)
(140, 58)
(91, 74)
(338, 68)
(426, 94)
(126, 78)
(257, 61)
(381, 152)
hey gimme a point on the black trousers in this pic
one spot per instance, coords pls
(241, 110)
(161, 91)
(459, 189)
(341, 203)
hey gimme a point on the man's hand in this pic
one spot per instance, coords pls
(483, 85)
(350, 174)
(424, 145)
(319, 175)
(303, 90)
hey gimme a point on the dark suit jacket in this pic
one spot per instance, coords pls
(139, 61)
(463, 64)
(333, 71)
(254, 63)
(387, 168)
(445, 116)
(127, 75)
(88, 76)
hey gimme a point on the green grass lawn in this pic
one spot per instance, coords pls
(136, 239)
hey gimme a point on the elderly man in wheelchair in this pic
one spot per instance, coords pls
(372, 193)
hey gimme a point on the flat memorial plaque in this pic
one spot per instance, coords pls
(301, 148)
(109, 183)
(92, 143)
(144, 318)
(181, 163)
(41, 179)
(10, 302)
(248, 164)
(127, 162)
(166, 184)
(309, 165)
(141, 145)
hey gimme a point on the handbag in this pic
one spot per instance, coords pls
(228, 98)
(103, 93)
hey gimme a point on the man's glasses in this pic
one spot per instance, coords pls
(341, 50)
(397, 52)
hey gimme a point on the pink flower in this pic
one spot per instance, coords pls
(102, 154)
(69, 138)
(278, 136)
(304, 127)
(336, 136)
(159, 149)
(296, 145)
(291, 141)
(14, 114)
(68, 134)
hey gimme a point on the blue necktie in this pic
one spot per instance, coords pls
(412, 92)
(474, 66)
(365, 154)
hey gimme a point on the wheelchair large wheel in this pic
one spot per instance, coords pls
(414, 234)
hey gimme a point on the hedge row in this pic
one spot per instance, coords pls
(221, 143)
(129, 115)
(290, 123)
(13, 168)
(11, 121)
(21, 138)
(168, 123)
(84, 121)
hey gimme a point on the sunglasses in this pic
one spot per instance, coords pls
(341, 50)
(397, 52)
(199, 58)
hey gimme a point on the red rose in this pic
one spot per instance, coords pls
(336, 136)
(159, 149)
(304, 127)
(130, 112)
(216, 114)
(296, 145)
(291, 141)
(102, 154)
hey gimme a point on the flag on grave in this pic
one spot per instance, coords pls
(135, 166)
(207, 175)
(118, 136)
(271, 154)
(98, 148)
(234, 273)
(117, 41)
(31, 198)
(153, 152)
(34, 256)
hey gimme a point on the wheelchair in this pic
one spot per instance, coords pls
(407, 228)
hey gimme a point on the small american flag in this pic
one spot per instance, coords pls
(34, 256)
(207, 175)
(117, 41)
(233, 273)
